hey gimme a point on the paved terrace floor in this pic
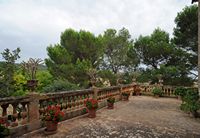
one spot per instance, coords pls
(141, 117)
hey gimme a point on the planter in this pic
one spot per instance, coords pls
(91, 113)
(32, 84)
(125, 98)
(110, 105)
(51, 126)
(156, 96)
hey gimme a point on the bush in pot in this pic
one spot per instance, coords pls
(91, 105)
(52, 116)
(157, 92)
(110, 102)
(125, 96)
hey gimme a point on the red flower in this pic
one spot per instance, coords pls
(53, 113)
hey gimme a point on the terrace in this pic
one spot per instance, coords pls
(141, 116)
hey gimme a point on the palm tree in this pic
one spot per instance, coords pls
(198, 44)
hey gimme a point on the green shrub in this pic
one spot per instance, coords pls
(125, 93)
(108, 75)
(191, 101)
(4, 131)
(20, 85)
(60, 85)
(111, 100)
(20, 92)
(180, 91)
(44, 79)
(157, 91)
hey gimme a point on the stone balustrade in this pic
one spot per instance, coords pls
(167, 90)
(24, 114)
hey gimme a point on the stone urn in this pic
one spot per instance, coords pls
(32, 84)
(92, 113)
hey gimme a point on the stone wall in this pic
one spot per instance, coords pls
(31, 108)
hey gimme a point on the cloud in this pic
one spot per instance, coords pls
(32, 25)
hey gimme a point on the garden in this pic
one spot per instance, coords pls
(86, 72)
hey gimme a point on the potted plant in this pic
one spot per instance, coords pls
(110, 102)
(157, 92)
(52, 116)
(30, 68)
(137, 90)
(125, 96)
(91, 105)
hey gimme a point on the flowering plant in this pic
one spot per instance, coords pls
(53, 113)
(125, 93)
(111, 100)
(91, 103)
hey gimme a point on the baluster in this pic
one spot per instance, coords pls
(4, 107)
(14, 105)
(70, 103)
(65, 104)
(24, 113)
(73, 102)
(15, 115)
(78, 102)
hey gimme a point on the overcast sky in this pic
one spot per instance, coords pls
(32, 25)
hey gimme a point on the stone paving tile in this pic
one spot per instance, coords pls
(141, 117)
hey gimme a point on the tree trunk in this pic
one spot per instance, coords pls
(199, 47)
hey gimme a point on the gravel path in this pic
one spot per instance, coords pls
(141, 117)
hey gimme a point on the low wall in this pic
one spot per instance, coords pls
(32, 107)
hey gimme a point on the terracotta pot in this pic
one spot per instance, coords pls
(92, 113)
(110, 105)
(125, 98)
(51, 126)
(14, 124)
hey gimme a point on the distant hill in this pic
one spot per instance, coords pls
(41, 66)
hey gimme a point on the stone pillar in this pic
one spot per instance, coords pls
(33, 112)
(95, 90)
